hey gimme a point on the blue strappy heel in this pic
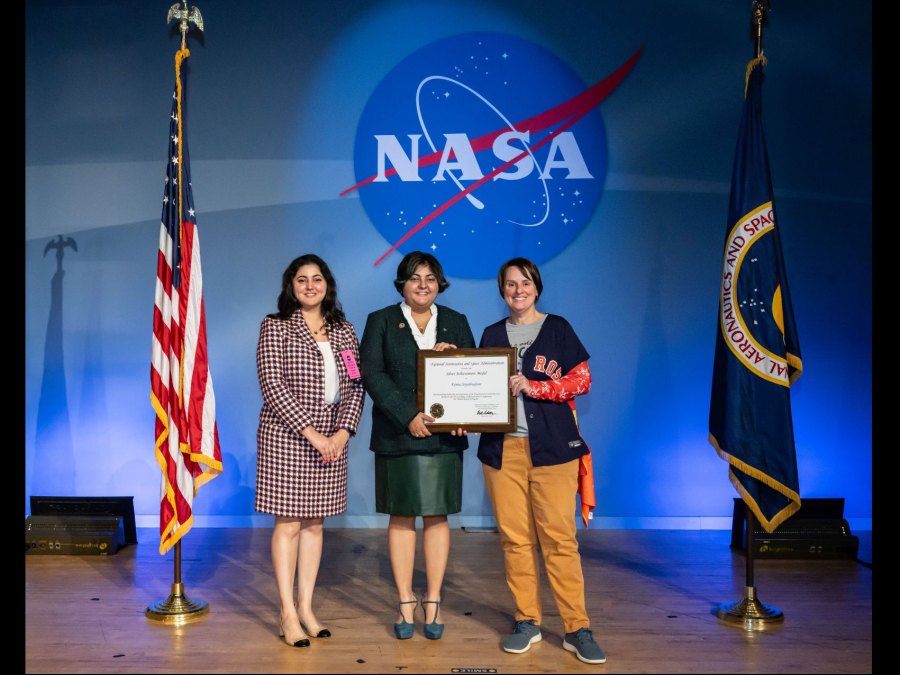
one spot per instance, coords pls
(433, 630)
(404, 630)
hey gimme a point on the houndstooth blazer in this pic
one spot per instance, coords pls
(292, 376)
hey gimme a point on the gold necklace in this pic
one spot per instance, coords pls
(314, 332)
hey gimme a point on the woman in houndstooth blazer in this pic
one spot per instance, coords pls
(311, 407)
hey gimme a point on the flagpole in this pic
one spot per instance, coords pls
(759, 17)
(178, 565)
(178, 608)
(748, 612)
(751, 545)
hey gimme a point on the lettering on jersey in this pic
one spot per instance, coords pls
(552, 368)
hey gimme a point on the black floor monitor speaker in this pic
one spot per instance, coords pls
(89, 506)
(73, 535)
(817, 531)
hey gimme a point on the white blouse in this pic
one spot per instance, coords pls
(332, 380)
(428, 339)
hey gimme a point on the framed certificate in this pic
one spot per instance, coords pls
(467, 388)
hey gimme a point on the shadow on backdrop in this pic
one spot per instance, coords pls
(230, 495)
(54, 456)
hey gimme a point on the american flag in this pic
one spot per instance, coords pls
(187, 441)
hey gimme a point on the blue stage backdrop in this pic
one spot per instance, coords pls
(624, 210)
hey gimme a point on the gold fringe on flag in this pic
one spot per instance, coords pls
(761, 61)
(778, 518)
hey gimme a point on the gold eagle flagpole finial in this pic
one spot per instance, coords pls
(185, 16)
(178, 608)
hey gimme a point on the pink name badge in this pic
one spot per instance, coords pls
(350, 362)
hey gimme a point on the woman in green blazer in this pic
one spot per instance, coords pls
(417, 473)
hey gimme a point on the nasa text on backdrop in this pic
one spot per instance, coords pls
(481, 147)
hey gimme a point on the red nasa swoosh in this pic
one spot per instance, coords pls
(571, 111)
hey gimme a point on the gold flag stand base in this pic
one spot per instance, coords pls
(749, 613)
(178, 608)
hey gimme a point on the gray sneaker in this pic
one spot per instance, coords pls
(525, 634)
(582, 643)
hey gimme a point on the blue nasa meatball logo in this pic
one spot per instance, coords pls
(479, 148)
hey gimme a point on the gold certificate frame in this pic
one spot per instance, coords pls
(467, 389)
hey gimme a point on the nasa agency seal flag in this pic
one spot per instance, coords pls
(757, 350)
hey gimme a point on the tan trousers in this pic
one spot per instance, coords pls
(535, 504)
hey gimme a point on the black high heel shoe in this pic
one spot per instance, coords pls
(324, 633)
(302, 642)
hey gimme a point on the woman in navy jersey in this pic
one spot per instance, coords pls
(532, 474)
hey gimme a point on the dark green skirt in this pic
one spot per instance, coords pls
(419, 485)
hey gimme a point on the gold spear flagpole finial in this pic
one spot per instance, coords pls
(185, 16)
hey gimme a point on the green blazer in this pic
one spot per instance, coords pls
(387, 358)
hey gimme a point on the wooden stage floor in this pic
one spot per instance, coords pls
(651, 595)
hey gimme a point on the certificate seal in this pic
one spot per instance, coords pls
(436, 410)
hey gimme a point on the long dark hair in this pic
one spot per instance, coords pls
(331, 309)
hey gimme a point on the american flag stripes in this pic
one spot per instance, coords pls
(187, 441)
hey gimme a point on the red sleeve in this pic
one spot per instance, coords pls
(574, 383)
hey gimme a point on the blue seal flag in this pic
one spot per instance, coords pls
(757, 350)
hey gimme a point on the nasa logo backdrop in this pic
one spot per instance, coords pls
(458, 153)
